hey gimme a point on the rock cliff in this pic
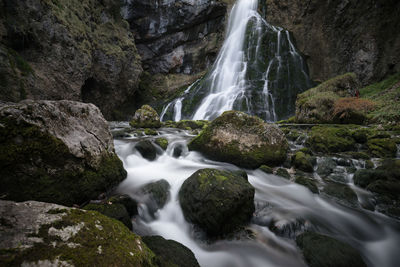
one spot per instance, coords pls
(343, 36)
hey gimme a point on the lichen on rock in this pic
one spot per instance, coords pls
(243, 140)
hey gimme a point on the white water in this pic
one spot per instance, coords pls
(376, 236)
(227, 77)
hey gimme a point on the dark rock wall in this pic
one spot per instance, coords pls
(342, 36)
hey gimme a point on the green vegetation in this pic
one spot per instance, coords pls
(330, 139)
(386, 95)
(162, 142)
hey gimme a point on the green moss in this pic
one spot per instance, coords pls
(302, 162)
(283, 173)
(101, 242)
(113, 210)
(307, 182)
(266, 169)
(40, 160)
(162, 142)
(330, 139)
(386, 94)
(382, 148)
(149, 131)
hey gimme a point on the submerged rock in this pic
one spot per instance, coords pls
(146, 149)
(243, 140)
(307, 182)
(324, 251)
(217, 201)
(56, 151)
(42, 234)
(158, 193)
(146, 117)
(170, 252)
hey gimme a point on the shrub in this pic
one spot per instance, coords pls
(352, 109)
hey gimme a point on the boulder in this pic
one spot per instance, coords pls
(113, 210)
(162, 142)
(324, 251)
(283, 173)
(158, 193)
(217, 201)
(43, 234)
(170, 252)
(307, 182)
(145, 117)
(125, 200)
(326, 167)
(303, 162)
(56, 151)
(146, 149)
(241, 139)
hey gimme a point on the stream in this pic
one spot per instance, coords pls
(289, 207)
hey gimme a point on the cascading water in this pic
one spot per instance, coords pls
(258, 71)
(283, 209)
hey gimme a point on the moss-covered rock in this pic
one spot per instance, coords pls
(49, 234)
(113, 210)
(56, 151)
(266, 169)
(303, 162)
(323, 251)
(330, 139)
(162, 142)
(145, 117)
(170, 253)
(243, 140)
(341, 192)
(307, 182)
(125, 200)
(217, 201)
(283, 173)
(382, 147)
(326, 167)
(149, 131)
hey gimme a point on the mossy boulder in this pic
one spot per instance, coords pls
(384, 180)
(241, 139)
(306, 181)
(56, 151)
(266, 169)
(125, 200)
(145, 117)
(326, 167)
(170, 253)
(283, 173)
(43, 234)
(303, 162)
(146, 149)
(324, 251)
(113, 210)
(217, 201)
(341, 192)
(382, 147)
(162, 142)
(330, 139)
(158, 194)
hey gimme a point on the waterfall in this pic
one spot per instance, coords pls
(258, 70)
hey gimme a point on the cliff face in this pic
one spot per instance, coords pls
(85, 50)
(177, 39)
(343, 36)
(76, 50)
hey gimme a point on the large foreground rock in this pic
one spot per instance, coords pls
(324, 251)
(42, 234)
(56, 151)
(243, 140)
(217, 201)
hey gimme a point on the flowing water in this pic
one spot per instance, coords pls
(258, 71)
(291, 208)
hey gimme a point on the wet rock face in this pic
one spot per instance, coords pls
(341, 36)
(75, 50)
(176, 36)
(217, 201)
(241, 139)
(56, 151)
(43, 234)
